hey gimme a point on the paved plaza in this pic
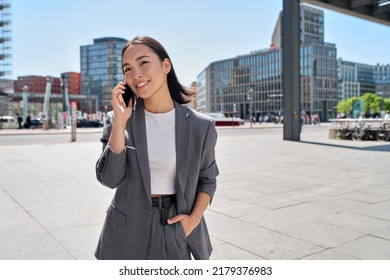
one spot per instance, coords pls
(315, 199)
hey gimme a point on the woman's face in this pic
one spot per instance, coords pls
(144, 72)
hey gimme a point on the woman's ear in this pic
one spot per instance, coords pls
(167, 65)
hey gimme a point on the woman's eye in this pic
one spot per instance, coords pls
(144, 62)
(126, 70)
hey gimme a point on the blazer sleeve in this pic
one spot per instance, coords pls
(110, 167)
(209, 170)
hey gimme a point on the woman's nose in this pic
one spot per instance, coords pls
(137, 74)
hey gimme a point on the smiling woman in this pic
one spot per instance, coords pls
(160, 158)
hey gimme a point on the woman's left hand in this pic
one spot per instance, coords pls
(187, 221)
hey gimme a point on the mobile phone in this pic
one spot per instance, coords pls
(129, 94)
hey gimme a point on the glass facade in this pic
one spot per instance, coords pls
(382, 79)
(254, 81)
(354, 79)
(5, 40)
(101, 71)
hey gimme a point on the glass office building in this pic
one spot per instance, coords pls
(101, 71)
(382, 79)
(5, 40)
(354, 79)
(252, 83)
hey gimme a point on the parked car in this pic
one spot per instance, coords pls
(81, 122)
(36, 123)
(222, 120)
(8, 122)
(94, 123)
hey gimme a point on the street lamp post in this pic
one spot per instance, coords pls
(249, 97)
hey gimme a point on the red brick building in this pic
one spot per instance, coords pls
(37, 84)
(73, 79)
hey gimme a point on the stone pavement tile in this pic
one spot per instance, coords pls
(328, 254)
(63, 216)
(6, 201)
(79, 241)
(385, 203)
(343, 204)
(15, 224)
(229, 229)
(376, 210)
(382, 233)
(34, 195)
(367, 248)
(276, 246)
(366, 197)
(37, 246)
(272, 219)
(216, 241)
(355, 222)
(232, 208)
(304, 195)
(255, 197)
(227, 251)
(345, 184)
(321, 234)
(276, 202)
(14, 177)
(240, 194)
(378, 189)
(330, 190)
(309, 211)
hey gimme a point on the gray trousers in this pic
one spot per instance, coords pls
(167, 242)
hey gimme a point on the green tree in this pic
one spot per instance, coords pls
(386, 104)
(371, 101)
(345, 106)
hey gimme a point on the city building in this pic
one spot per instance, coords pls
(251, 85)
(5, 40)
(101, 71)
(72, 81)
(6, 82)
(382, 79)
(354, 79)
(37, 84)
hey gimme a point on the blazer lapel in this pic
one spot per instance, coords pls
(182, 146)
(138, 128)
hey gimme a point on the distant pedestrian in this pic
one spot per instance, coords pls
(20, 121)
(387, 115)
(27, 123)
(160, 158)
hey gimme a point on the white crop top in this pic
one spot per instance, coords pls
(161, 141)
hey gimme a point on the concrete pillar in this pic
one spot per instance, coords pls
(291, 70)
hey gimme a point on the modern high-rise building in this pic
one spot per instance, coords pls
(6, 83)
(382, 79)
(5, 40)
(354, 79)
(252, 83)
(101, 71)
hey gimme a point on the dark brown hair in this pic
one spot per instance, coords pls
(178, 92)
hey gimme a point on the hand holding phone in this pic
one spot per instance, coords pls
(125, 98)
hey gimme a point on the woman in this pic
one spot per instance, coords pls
(160, 157)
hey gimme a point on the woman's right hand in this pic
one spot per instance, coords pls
(121, 112)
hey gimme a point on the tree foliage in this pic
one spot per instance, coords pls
(345, 106)
(386, 104)
(372, 103)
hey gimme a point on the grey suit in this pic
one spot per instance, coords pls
(126, 229)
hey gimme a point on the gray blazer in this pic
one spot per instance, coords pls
(125, 233)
